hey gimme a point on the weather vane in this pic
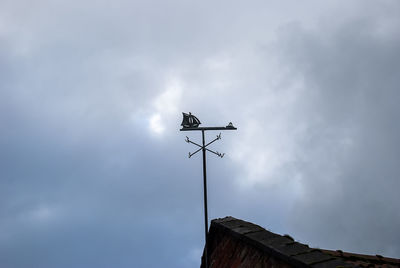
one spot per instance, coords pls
(191, 123)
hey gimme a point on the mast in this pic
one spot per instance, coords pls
(191, 122)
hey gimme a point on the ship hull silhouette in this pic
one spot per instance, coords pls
(190, 121)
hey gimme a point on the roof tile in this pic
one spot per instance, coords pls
(294, 249)
(331, 263)
(313, 257)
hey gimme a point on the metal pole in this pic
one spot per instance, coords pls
(189, 123)
(205, 201)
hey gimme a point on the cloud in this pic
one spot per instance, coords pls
(166, 106)
(313, 95)
(346, 160)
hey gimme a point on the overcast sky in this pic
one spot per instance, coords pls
(94, 170)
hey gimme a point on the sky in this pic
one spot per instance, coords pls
(94, 171)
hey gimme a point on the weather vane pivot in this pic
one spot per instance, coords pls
(191, 122)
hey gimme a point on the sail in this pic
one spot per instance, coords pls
(185, 121)
(196, 121)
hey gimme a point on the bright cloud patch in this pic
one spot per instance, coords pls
(166, 106)
(156, 126)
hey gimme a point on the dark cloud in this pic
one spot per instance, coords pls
(349, 155)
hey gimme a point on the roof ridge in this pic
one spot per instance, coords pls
(280, 246)
(285, 248)
(362, 257)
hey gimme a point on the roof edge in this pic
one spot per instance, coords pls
(273, 244)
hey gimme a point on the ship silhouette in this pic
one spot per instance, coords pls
(190, 121)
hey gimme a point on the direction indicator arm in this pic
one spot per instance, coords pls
(201, 147)
(218, 138)
(189, 141)
(191, 154)
(217, 153)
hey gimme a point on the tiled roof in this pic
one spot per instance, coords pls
(364, 260)
(237, 243)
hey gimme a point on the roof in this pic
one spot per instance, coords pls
(237, 243)
(364, 260)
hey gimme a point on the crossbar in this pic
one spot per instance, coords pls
(207, 128)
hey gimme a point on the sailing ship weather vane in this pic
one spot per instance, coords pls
(191, 123)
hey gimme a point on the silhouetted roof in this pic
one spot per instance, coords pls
(237, 243)
(364, 260)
